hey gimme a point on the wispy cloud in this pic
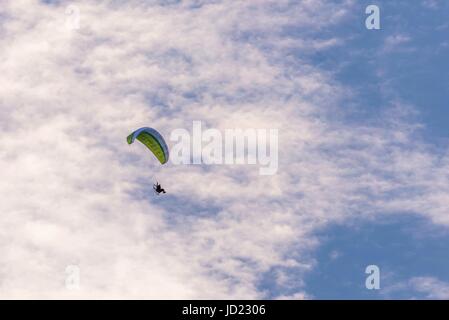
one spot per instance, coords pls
(432, 4)
(431, 287)
(396, 42)
(421, 288)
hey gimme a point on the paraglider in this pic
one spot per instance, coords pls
(157, 188)
(154, 141)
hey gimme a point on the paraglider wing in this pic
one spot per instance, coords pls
(153, 140)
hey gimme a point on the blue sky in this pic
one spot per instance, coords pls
(408, 246)
(403, 248)
(363, 149)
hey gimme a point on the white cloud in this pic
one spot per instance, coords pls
(431, 287)
(76, 193)
(432, 4)
(295, 296)
(424, 287)
(396, 42)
